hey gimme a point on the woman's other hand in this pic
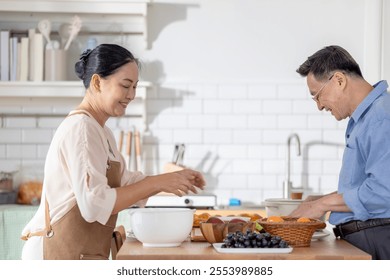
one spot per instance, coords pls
(179, 182)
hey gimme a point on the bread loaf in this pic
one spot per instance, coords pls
(30, 193)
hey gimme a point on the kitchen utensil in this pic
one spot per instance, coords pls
(64, 32)
(44, 26)
(180, 157)
(75, 26)
(128, 149)
(120, 141)
(137, 137)
(175, 153)
(161, 227)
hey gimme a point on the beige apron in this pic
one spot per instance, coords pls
(73, 238)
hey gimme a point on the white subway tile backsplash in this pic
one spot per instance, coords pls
(187, 136)
(262, 151)
(172, 121)
(187, 106)
(277, 107)
(220, 136)
(262, 121)
(21, 151)
(202, 121)
(2, 151)
(292, 122)
(215, 106)
(304, 106)
(203, 91)
(232, 92)
(157, 106)
(38, 136)
(232, 121)
(245, 136)
(232, 151)
(10, 135)
(22, 122)
(247, 166)
(49, 122)
(235, 133)
(262, 92)
(247, 107)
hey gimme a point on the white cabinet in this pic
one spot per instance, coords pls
(100, 18)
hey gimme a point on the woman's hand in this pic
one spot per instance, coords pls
(179, 182)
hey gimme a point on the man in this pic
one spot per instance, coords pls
(360, 209)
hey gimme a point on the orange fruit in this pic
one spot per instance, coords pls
(275, 219)
(303, 220)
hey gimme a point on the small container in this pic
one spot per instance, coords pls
(296, 195)
(55, 65)
(6, 181)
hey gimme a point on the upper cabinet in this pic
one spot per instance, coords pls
(119, 17)
(122, 22)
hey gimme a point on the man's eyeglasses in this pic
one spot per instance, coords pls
(317, 95)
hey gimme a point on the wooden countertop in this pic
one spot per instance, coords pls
(327, 248)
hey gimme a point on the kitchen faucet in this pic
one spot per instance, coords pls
(287, 184)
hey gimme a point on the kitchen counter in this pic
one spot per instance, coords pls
(327, 248)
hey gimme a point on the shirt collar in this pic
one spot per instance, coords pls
(379, 89)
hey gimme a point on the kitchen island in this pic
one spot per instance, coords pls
(328, 248)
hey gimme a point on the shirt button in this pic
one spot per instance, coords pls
(347, 145)
(347, 135)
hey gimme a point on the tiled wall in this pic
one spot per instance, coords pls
(235, 132)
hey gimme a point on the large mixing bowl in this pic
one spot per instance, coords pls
(280, 206)
(161, 227)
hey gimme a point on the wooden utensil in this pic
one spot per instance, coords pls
(44, 26)
(75, 26)
(120, 142)
(138, 150)
(128, 149)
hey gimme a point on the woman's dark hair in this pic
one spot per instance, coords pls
(103, 60)
(329, 59)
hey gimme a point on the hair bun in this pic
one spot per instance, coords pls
(85, 54)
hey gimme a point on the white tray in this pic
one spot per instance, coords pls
(217, 247)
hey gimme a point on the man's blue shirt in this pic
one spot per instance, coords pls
(364, 178)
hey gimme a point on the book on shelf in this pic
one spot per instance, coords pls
(4, 55)
(23, 73)
(38, 57)
(13, 58)
(31, 56)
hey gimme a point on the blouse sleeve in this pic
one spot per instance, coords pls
(84, 154)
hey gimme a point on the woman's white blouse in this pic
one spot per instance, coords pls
(75, 170)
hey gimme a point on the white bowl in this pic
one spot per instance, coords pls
(281, 206)
(161, 227)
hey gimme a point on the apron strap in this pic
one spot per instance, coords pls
(48, 232)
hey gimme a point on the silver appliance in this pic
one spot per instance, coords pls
(198, 201)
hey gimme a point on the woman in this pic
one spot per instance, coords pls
(86, 183)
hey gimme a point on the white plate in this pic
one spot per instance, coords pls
(320, 234)
(217, 247)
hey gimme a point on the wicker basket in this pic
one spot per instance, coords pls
(295, 233)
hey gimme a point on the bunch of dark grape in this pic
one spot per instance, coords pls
(253, 239)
